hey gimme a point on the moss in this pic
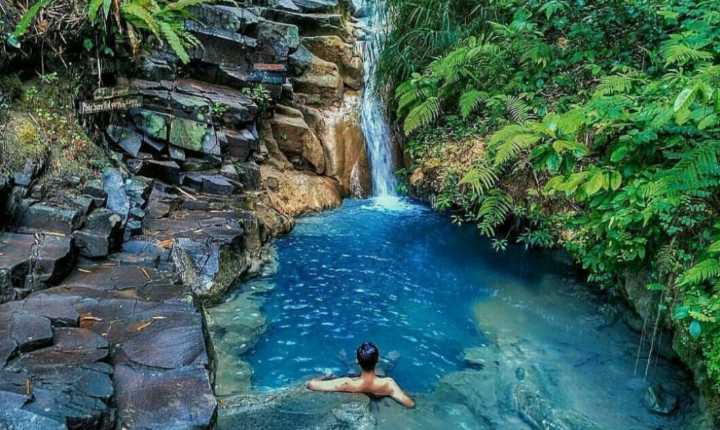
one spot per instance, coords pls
(40, 123)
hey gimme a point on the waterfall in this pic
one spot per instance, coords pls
(373, 121)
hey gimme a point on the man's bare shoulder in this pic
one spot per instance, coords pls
(337, 384)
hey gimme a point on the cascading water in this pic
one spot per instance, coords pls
(373, 122)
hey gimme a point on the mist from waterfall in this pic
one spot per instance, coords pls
(373, 121)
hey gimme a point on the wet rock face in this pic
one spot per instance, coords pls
(297, 408)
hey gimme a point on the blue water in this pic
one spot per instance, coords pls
(400, 276)
(424, 290)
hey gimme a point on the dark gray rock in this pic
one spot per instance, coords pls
(24, 177)
(316, 6)
(100, 235)
(166, 170)
(300, 60)
(171, 399)
(249, 175)
(159, 65)
(44, 217)
(114, 186)
(228, 18)
(127, 139)
(239, 145)
(49, 256)
(176, 153)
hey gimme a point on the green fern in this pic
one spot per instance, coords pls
(422, 115)
(701, 272)
(172, 38)
(26, 20)
(493, 211)
(480, 178)
(141, 17)
(677, 51)
(470, 101)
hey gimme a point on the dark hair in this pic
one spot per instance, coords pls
(367, 356)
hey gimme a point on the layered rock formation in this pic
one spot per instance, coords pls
(102, 281)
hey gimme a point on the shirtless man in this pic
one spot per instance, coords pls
(368, 382)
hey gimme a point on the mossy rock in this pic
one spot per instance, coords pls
(188, 134)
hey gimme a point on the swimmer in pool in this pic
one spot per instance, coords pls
(368, 382)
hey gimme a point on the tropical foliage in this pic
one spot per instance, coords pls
(601, 122)
(132, 20)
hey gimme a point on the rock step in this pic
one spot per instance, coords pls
(31, 262)
(136, 318)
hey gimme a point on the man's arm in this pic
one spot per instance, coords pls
(399, 395)
(339, 384)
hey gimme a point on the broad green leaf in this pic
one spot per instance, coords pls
(684, 99)
(615, 180)
(619, 154)
(596, 182)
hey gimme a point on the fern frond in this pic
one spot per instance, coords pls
(470, 101)
(517, 109)
(173, 39)
(701, 272)
(493, 211)
(140, 16)
(614, 84)
(422, 115)
(677, 52)
(480, 179)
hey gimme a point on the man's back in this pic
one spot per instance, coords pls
(377, 386)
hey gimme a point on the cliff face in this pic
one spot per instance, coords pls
(103, 279)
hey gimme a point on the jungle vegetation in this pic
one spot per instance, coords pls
(593, 125)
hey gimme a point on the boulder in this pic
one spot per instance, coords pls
(276, 40)
(50, 218)
(125, 138)
(249, 175)
(316, 6)
(229, 18)
(189, 134)
(295, 138)
(101, 233)
(152, 124)
(321, 84)
(117, 198)
(49, 256)
(343, 141)
(335, 50)
(298, 192)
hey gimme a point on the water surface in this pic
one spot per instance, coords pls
(425, 290)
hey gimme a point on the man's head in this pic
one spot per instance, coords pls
(367, 356)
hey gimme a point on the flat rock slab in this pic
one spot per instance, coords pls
(164, 399)
(296, 408)
(51, 256)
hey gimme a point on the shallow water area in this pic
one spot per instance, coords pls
(482, 339)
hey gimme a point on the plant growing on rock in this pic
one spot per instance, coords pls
(132, 20)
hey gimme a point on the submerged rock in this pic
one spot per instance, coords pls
(659, 401)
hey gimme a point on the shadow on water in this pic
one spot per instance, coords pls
(483, 340)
